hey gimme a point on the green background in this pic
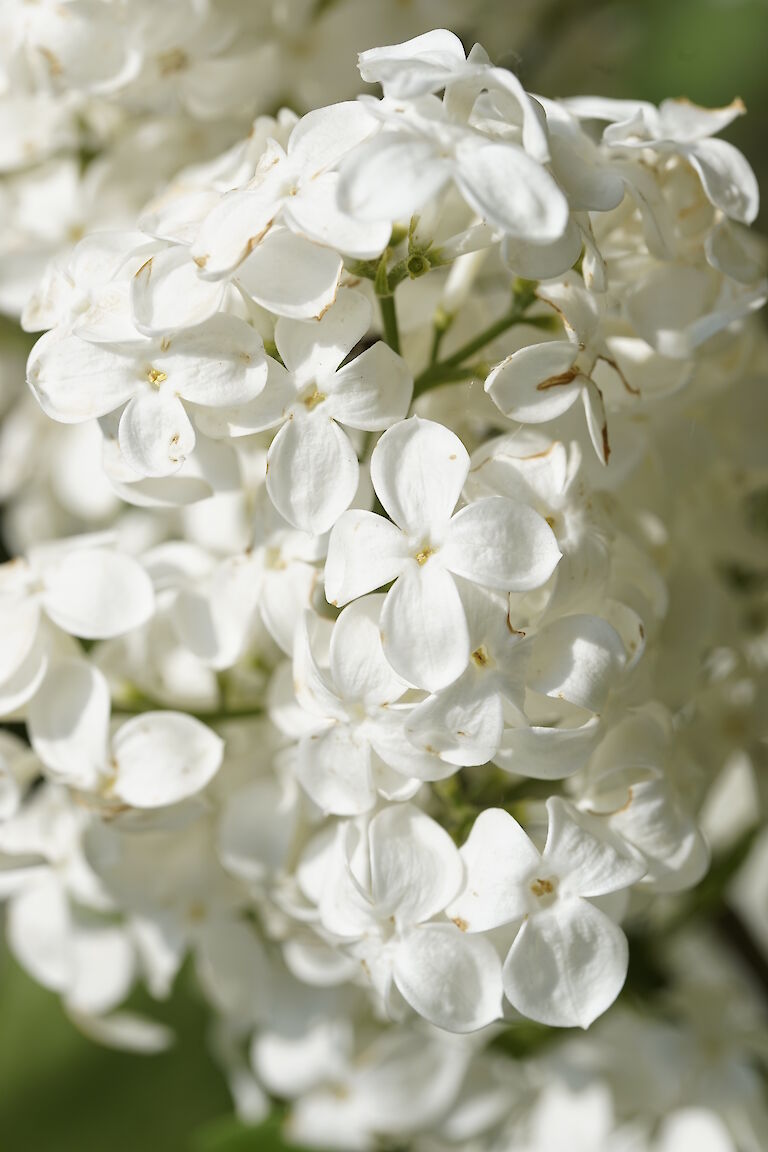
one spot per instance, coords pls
(58, 1091)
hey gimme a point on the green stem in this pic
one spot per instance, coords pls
(207, 716)
(437, 339)
(444, 371)
(389, 319)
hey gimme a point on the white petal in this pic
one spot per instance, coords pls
(424, 628)
(728, 179)
(666, 306)
(69, 720)
(387, 735)
(547, 753)
(499, 859)
(536, 383)
(576, 658)
(358, 665)
(285, 596)
(416, 66)
(579, 309)
(727, 250)
(155, 434)
(534, 120)
(125, 1031)
(291, 276)
(542, 261)
(567, 965)
(237, 224)
(162, 758)
(452, 980)
(312, 472)
(418, 469)
(314, 349)
(407, 1082)
(298, 1051)
(215, 626)
(695, 1129)
(416, 868)
(315, 213)
(88, 55)
(590, 183)
(24, 681)
(672, 845)
(392, 784)
(334, 768)
(109, 317)
(213, 469)
(597, 424)
(73, 380)
(19, 620)
(372, 391)
(528, 467)
(500, 544)
(365, 552)
(96, 594)
(268, 410)
(462, 723)
(311, 683)
(345, 904)
(256, 828)
(219, 362)
(40, 933)
(510, 190)
(10, 792)
(391, 176)
(590, 859)
(167, 292)
(104, 969)
(680, 119)
(323, 136)
(161, 940)
(233, 969)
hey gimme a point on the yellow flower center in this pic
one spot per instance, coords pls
(156, 377)
(313, 399)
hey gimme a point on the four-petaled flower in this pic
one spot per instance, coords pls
(418, 470)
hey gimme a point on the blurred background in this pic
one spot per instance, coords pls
(58, 1091)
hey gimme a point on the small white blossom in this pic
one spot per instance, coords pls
(569, 959)
(152, 760)
(418, 470)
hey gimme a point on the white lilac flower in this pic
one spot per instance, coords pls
(681, 128)
(554, 657)
(152, 760)
(215, 605)
(83, 586)
(464, 722)
(632, 783)
(403, 1082)
(355, 744)
(418, 470)
(152, 381)
(420, 151)
(296, 186)
(541, 381)
(569, 959)
(312, 468)
(57, 929)
(384, 887)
